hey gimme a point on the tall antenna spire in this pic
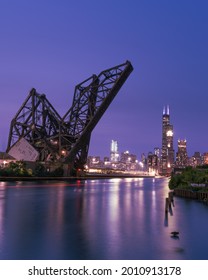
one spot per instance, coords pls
(168, 110)
(164, 110)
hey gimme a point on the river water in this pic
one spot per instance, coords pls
(99, 219)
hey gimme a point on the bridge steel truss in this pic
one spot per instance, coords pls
(39, 123)
(89, 105)
(66, 139)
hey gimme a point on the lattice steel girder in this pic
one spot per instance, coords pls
(39, 123)
(78, 116)
(89, 104)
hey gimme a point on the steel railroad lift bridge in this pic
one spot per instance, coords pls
(39, 133)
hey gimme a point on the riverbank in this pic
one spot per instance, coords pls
(65, 178)
(197, 195)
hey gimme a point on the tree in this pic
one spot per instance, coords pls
(40, 170)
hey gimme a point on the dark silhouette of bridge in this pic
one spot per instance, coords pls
(65, 139)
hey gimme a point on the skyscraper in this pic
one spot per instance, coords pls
(167, 155)
(114, 154)
(181, 155)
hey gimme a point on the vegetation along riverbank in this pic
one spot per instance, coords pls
(191, 183)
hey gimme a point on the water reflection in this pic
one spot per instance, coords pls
(100, 219)
(2, 214)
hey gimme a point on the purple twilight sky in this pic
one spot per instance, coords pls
(52, 45)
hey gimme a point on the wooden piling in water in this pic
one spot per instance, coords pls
(167, 202)
(170, 195)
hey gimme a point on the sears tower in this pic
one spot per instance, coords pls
(167, 155)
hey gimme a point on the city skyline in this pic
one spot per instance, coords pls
(53, 47)
(178, 142)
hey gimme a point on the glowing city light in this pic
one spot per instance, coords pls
(170, 133)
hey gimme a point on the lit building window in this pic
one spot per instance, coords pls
(170, 133)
